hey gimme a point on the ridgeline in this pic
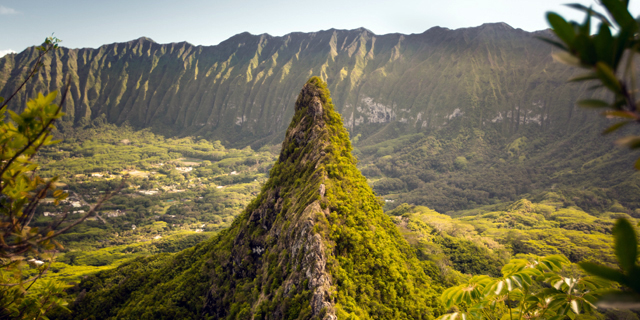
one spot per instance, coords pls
(450, 119)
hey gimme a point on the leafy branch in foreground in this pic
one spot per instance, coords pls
(608, 57)
(626, 248)
(26, 252)
(49, 44)
(534, 288)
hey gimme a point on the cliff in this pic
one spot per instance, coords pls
(240, 90)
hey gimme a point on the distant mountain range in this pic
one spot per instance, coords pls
(238, 91)
(448, 118)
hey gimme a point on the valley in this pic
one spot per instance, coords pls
(170, 201)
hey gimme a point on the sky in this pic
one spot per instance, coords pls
(92, 23)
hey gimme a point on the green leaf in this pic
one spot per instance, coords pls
(586, 49)
(584, 77)
(620, 14)
(16, 118)
(632, 142)
(596, 14)
(561, 28)
(593, 103)
(574, 306)
(603, 42)
(603, 272)
(619, 114)
(608, 77)
(626, 244)
(566, 58)
(554, 43)
(615, 127)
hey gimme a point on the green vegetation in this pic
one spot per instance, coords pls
(178, 192)
(444, 250)
(376, 273)
(484, 241)
(316, 208)
(471, 136)
(626, 248)
(23, 295)
(541, 229)
(449, 131)
(530, 288)
(609, 59)
(428, 169)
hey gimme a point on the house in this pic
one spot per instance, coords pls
(35, 262)
(117, 213)
(148, 192)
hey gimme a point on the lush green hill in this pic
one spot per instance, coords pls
(469, 168)
(314, 244)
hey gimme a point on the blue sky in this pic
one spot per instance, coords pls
(91, 23)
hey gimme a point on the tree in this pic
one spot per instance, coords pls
(26, 252)
(608, 58)
(533, 288)
(610, 61)
(626, 249)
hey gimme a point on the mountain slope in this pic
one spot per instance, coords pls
(450, 119)
(239, 91)
(313, 244)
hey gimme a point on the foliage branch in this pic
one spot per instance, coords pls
(608, 58)
(533, 288)
(21, 190)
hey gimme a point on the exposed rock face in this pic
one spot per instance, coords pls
(284, 221)
(241, 89)
(297, 243)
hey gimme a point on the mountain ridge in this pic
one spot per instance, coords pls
(225, 91)
(493, 89)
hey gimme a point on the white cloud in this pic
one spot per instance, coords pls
(5, 52)
(5, 10)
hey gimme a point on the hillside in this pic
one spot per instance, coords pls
(314, 244)
(239, 91)
(450, 119)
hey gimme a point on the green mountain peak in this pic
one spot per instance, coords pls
(314, 244)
